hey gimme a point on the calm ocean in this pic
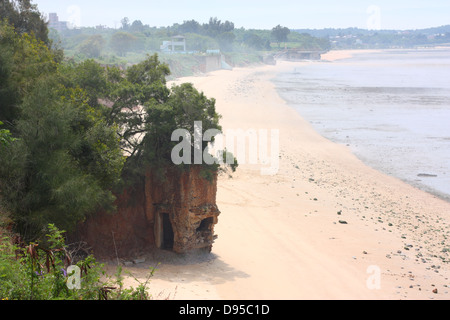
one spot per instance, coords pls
(391, 108)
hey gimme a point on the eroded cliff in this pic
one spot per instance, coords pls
(174, 210)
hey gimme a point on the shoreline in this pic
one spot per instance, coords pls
(348, 54)
(327, 226)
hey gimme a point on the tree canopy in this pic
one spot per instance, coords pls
(64, 159)
(280, 34)
(122, 42)
(25, 17)
(93, 46)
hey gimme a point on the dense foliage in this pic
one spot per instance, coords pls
(25, 17)
(64, 159)
(73, 131)
(280, 34)
(5, 136)
(40, 271)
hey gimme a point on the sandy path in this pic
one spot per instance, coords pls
(281, 237)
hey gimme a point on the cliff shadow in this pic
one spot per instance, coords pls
(195, 266)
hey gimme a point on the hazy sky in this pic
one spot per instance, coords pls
(259, 14)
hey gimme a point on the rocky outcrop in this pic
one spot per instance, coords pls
(172, 209)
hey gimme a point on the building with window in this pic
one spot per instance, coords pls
(54, 23)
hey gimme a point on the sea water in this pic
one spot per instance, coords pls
(392, 108)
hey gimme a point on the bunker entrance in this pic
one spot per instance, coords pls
(168, 234)
(205, 225)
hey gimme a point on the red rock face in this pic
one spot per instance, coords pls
(174, 210)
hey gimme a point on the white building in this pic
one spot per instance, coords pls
(177, 44)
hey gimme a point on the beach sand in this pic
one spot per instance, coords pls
(325, 227)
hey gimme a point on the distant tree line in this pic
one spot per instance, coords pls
(355, 38)
(137, 37)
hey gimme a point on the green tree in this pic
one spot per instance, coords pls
(71, 124)
(88, 75)
(226, 40)
(254, 41)
(5, 136)
(280, 34)
(216, 27)
(25, 17)
(93, 46)
(65, 158)
(184, 106)
(131, 92)
(122, 42)
(125, 23)
(190, 26)
(68, 159)
(148, 113)
(137, 26)
(23, 60)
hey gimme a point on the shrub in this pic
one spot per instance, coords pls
(38, 271)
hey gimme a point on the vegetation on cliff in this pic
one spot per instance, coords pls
(71, 134)
(63, 158)
(25, 17)
(71, 130)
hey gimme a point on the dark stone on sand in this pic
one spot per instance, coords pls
(427, 175)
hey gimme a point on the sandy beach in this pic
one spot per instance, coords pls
(325, 227)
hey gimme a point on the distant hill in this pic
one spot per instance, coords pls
(356, 38)
(332, 32)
